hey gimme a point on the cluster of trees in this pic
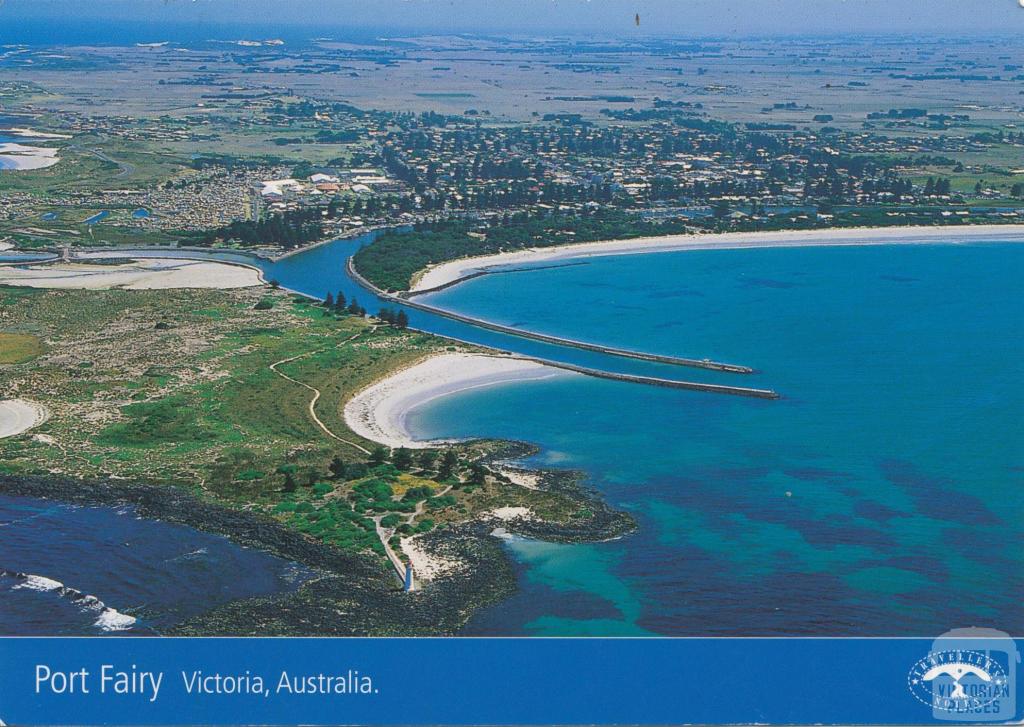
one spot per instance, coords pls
(340, 305)
(391, 259)
(398, 319)
(936, 187)
(208, 160)
(426, 462)
(308, 109)
(288, 229)
(358, 206)
(910, 113)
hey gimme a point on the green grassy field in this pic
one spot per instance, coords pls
(176, 388)
(16, 348)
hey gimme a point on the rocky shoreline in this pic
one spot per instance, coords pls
(604, 522)
(332, 605)
(351, 594)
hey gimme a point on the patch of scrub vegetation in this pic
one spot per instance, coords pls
(156, 422)
(392, 259)
(333, 522)
(16, 348)
(194, 403)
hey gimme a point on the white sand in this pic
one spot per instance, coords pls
(378, 413)
(523, 478)
(512, 513)
(427, 567)
(26, 131)
(19, 157)
(148, 274)
(445, 273)
(20, 415)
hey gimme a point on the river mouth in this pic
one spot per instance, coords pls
(830, 510)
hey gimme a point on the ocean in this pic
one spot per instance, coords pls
(881, 495)
(69, 570)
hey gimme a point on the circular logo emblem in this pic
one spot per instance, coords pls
(957, 681)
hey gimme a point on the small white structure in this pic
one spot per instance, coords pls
(277, 187)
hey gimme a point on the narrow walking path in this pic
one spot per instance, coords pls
(316, 395)
(385, 536)
(396, 562)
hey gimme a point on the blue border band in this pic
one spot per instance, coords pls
(468, 681)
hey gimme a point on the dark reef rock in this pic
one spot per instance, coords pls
(353, 595)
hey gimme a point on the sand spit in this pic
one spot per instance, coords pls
(447, 273)
(148, 274)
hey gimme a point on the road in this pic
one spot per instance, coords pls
(126, 169)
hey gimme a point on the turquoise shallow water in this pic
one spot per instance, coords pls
(880, 496)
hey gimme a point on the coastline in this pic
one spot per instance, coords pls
(21, 157)
(18, 416)
(450, 273)
(378, 412)
(340, 579)
(139, 274)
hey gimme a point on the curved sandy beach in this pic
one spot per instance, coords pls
(447, 273)
(19, 415)
(378, 413)
(143, 274)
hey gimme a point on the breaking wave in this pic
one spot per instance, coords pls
(107, 619)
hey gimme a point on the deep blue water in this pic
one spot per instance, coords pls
(321, 270)
(881, 495)
(156, 572)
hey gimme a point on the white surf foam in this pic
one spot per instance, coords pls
(109, 619)
(38, 583)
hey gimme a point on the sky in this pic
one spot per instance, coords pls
(602, 17)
